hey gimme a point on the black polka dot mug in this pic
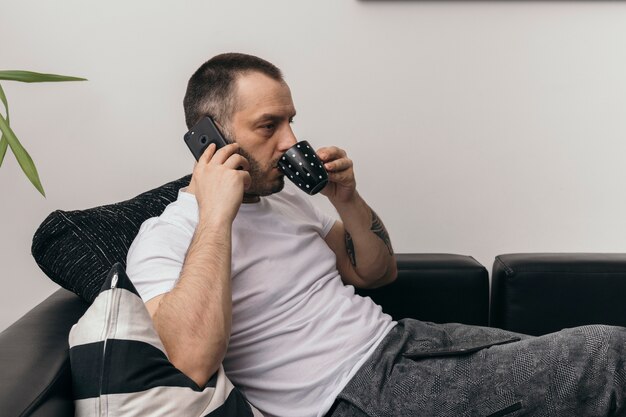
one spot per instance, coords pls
(302, 166)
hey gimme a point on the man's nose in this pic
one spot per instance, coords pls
(288, 139)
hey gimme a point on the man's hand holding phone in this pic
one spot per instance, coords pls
(218, 183)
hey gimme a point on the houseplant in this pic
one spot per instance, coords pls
(8, 137)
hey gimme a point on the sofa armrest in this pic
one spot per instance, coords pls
(35, 378)
(442, 288)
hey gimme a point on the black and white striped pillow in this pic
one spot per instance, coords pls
(120, 367)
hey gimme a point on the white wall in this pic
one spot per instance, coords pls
(477, 128)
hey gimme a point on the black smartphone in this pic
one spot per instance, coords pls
(201, 135)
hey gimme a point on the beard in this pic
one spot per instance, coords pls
(260, 184)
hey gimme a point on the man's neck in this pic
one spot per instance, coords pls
(250, 198)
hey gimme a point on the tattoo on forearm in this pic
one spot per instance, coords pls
(379, 230)
(350, 248)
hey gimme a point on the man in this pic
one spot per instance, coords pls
(242, 272)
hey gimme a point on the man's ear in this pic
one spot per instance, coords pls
(224, 132)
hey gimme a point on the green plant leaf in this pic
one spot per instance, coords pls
(35, 77)
(3, 98)
(3, 141)
(23, 158)
(4, 144)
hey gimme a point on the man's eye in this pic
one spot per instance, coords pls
(269, 126)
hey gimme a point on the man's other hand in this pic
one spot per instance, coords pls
(341, 185)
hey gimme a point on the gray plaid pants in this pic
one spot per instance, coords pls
(436, 370)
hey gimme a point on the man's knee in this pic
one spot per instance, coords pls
(599, 350)
(602, 337)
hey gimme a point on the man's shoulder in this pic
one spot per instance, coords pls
(164, 235)
(178, 217)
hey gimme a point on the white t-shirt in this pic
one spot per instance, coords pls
(298, 333)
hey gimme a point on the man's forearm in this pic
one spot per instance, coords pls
(194, 319)
(367, 241)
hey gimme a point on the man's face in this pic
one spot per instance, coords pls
(260, 124)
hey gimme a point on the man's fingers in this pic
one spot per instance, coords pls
(247, 179)
(224, 153)
(235, 161)
(339, 165)
(330, 153)
(340, 177)
(207, 154)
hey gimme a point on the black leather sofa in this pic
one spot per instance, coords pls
(36, 380)
(531, 293)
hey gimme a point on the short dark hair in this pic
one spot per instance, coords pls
(210, 88)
